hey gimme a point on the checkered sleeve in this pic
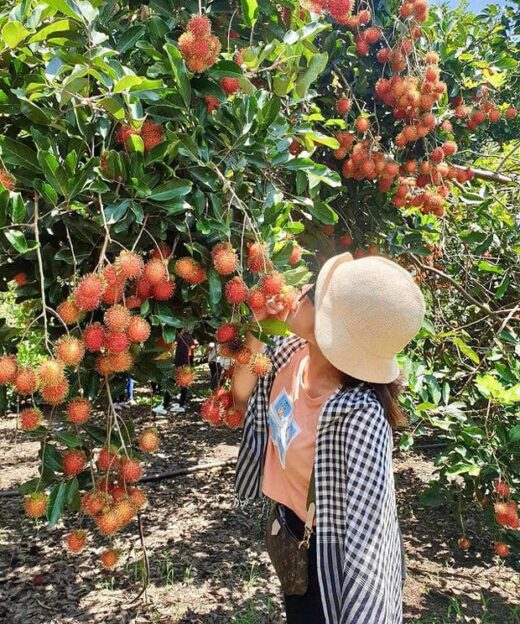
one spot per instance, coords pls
(372, 565)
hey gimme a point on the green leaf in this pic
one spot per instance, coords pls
(16, 153)
(514, 434)
(489, 386)
(466, 349)
(64, 7)
(18, 241)
(323, 213)
(113, 106)
(250, 12)
(56, 503)
(13, 33)
(172, 189)
(52, 458)
(316, 66)
(68, 439)
(215, 288)
(274, 327)
(180, 72)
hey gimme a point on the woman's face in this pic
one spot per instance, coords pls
(301, 319)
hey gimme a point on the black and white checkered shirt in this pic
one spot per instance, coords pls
(360, 563)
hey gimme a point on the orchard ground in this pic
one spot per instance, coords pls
(207, 560)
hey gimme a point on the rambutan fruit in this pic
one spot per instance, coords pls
(103, 365)
(117, 342)
(184, 376)
(364, 16)
(343, 105)
(107, 522)
(373, 35)
(510, 113)
(54, 395)
(296, 254)
(76, 541)
(51, 372)
(155, 271)
(117, 318)
(125, 511)
(272, 283)
(225, 397)
(161, 252)
(78, 410)
(109, 558)
(8, 369)
(138, 330)
(260, 365)
(186, 268)
(70, 350)
(132, 302)
(236, 291)
(121, 362)
(362, 124)
(226, 333)
(449, 148)
(257, 258)
(212, 103)
(129, 470)
(149, 440)
(152, 134)
(69, 312)
(123, 133)
(129, 265)
(256, 299)
(30, 418)
(164, 290)
(502, 549)
(199, 26)
(464, 543)
(93, 502)
(20, 279)
(138, 497)
(229, 85)
(108, 459)
(144, 288)
(89, 292)
(25, 381)
(211, 411)
(225, 259)
(7, 180)
(35, 504)
(94, 337)
(233, 418)
(73, 462)
(502, 489)
(198, 277)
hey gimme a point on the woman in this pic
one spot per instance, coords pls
(328, 406)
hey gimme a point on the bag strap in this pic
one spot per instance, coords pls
(311, 512)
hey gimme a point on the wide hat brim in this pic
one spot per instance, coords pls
(338, 346)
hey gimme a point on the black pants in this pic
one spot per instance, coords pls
(167, 399)
(306, 609)
(215, 372)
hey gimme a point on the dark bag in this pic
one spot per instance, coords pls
(288, 554)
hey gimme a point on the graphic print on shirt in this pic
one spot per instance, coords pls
(283, 426)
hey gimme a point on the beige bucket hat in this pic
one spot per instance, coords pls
(367, 311)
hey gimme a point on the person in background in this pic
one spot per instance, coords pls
(214, 367)
(128, 397)
(184, 356)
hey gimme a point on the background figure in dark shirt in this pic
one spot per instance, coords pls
(183, 357)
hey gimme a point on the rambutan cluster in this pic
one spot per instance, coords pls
(368, 163)
(151, 133)
(412, 99)
(219, 410)
(197, 45)
(414, 9)
(482, 109)
(339, 10)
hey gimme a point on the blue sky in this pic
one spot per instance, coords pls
(474, 5)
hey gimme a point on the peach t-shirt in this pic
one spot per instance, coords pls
(293, 423)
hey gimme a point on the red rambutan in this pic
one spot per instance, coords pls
(54, 395)
(154, 272)
(89, 292)
(129, 265)
(225, 259)
(25, 381)
(73, 462)
(233, 418)
(211, 411)
(229, 85)
(184, 376)
(69, 312)
(7, 369)
(76, 541)
(70, 350)
(78, 410)
(109, 558)
(164, 290)
(94, 337)
(108, 459)
(129, 470)
(117, 342)
(236, 291)
(35, 504)
(149, 440)
(30, 418)
(117, 318)
(51, 372)
(260, 365)
(138, 330)
(152, 135)
(226, 333)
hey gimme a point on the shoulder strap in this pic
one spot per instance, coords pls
(311, 511)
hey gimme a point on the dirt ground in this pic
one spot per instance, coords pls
(207, 560)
